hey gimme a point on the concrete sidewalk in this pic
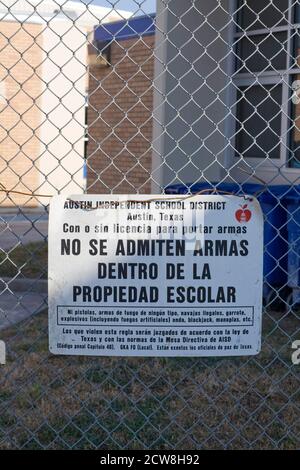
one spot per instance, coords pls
(19, 231)
(20, 305)
(27, 296)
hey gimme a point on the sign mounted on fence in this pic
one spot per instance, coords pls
(139, 276)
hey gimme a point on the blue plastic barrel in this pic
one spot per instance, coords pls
(293, 225)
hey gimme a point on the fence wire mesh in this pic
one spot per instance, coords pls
(134, 97)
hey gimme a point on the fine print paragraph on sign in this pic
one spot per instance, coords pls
(139, 276)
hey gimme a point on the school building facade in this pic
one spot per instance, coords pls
(43, 90)
(194, 94)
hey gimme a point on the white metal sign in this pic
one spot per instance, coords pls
(155, 275)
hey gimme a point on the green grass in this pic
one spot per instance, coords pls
(30, 261)
(63, 402)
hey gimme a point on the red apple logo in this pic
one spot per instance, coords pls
(243, 214)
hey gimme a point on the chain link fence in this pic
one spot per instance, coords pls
(137, 97)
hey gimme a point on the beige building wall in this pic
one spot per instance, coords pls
(43, 88)
(20, 118)
(63, 109)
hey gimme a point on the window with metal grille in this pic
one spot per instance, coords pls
(266, 42)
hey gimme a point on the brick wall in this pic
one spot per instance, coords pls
(120, 119)
(20, 118)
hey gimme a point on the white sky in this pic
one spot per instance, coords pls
(136, 6)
